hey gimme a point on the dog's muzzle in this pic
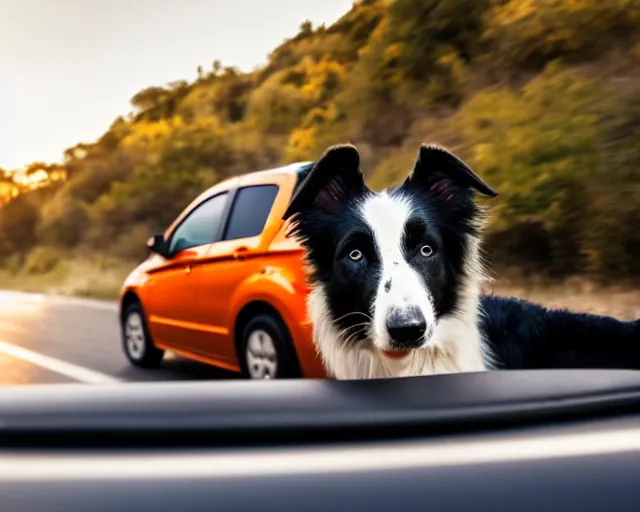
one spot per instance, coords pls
(406, 327)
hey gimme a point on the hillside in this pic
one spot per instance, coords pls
(541, 97)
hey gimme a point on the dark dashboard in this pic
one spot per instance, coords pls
(530, 440)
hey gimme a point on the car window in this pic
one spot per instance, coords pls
(201, 226)
(250, 211)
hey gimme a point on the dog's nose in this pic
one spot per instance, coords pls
(406, 327)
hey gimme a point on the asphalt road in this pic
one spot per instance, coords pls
(45, 339)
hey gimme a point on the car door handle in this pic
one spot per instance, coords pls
(240, 253)
(187, 269)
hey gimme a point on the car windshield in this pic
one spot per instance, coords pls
(174, 205)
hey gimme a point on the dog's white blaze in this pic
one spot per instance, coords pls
(387, 217)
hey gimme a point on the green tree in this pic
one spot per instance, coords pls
(277, 107)
(149, 98)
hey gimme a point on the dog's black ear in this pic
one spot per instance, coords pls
(443, 173)
(335, 177)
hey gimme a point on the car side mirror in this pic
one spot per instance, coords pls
(158, 245)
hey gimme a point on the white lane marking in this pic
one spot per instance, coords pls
(70, 370)
(363, 458)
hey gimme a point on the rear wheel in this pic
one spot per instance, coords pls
(136, 341)
(266, 351)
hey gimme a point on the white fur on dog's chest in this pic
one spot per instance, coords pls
(354, 364)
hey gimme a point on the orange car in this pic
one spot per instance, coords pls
(224, 285)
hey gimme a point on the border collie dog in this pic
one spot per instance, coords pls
(396, 280)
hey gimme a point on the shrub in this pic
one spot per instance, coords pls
(41, 260)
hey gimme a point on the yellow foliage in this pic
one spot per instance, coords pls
(538, 146)
(491, 79)
(301, 145)
(323, 80)
(307, 141)
(199, 100)
(151, 136)
(276, 106)
(155, 138)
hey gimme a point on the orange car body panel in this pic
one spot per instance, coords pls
(192, 300)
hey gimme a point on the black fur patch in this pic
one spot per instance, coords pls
(523, 335)
(350, 286)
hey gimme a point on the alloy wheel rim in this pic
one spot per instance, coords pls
(262, 361)
(134, 334)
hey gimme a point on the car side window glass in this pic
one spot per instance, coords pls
(250, 211)
(201, 226)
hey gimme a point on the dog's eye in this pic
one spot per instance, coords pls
(426, 251)
(355, 255)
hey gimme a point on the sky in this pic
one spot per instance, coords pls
(68, 68)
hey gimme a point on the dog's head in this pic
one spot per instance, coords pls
(390, 265)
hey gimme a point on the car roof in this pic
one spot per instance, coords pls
(231, 181)
(286, 169)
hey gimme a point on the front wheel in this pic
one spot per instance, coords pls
(266, 350)
(136, 341)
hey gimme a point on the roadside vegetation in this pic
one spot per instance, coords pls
(541, 97)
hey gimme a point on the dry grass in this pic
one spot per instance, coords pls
(99, 278)
(622, 302)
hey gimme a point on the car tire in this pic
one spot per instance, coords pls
(266, 351)
(136, 340)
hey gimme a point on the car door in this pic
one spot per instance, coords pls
(232, 260)
(174, 284)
